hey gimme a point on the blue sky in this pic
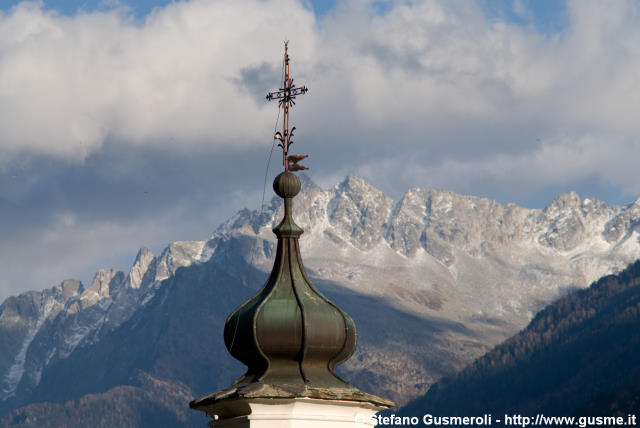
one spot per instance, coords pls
(125, 124)
(138, 8)
(548, 15)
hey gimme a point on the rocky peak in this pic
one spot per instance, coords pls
(634, 208)
(21, 318)
(355, 184)
(561, 223)
(144, 260)
(407, 222)
(563, 203)
(307, 183)
(357, 211)
(105, 283)
(176, 255)
(626, 221)
(69, 288)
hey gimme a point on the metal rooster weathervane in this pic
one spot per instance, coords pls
(286, 96)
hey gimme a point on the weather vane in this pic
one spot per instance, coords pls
(286, 96)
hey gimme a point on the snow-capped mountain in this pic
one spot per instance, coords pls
(467, 258)
(470, 267)
(40, 328)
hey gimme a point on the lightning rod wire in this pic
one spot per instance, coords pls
(264, 191)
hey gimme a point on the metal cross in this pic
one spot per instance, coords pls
(286, 96)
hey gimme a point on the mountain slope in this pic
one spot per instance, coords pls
(463, 272)
(177, 336)
(40, 328)
(146, 403)
(580, 347)
(21, 318)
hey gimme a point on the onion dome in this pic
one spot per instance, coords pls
(290, 337)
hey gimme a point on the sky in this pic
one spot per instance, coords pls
(126, 124)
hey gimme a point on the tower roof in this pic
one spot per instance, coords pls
(290, 337)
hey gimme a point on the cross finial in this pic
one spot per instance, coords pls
(286, 96)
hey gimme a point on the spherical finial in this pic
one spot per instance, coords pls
(286, 184)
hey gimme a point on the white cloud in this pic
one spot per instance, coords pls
(430, 59)
(556, 163)
(68, 84)
(428, 93)
(497, 103)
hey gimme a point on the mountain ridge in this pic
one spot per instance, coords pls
(434, 254)
(577, 356)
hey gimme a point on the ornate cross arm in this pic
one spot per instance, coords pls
(287, 95)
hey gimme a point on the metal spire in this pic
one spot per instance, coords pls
(290, 337)
(286, 96)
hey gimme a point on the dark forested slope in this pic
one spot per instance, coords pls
(571, 355)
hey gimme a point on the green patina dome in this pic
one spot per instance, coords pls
(290, 337)
(288, 333)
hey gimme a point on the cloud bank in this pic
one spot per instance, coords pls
(68, 85)
(98, 107)
(431, 77)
